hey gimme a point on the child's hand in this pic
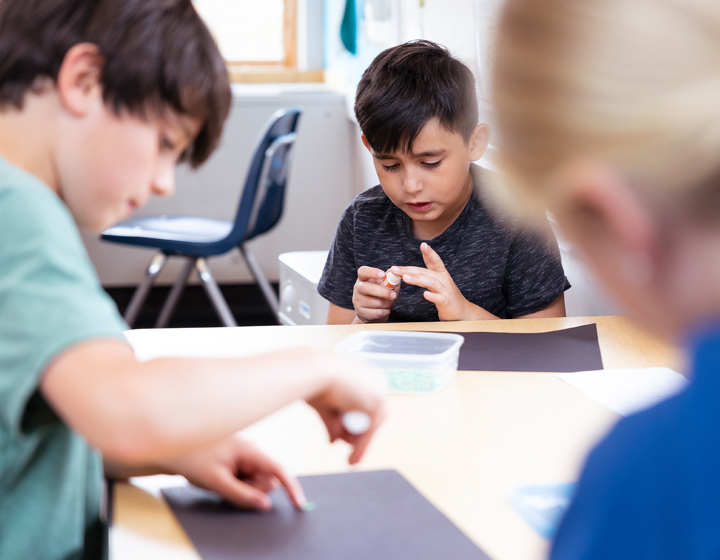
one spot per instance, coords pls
(371, 300)
(239, 472)
(359, 388)
(442, 291)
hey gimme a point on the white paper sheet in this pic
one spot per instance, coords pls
(626, 391)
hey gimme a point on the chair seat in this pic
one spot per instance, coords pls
(169, 233)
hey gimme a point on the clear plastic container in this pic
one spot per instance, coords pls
(414, 362)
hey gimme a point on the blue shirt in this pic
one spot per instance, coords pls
(651, 489)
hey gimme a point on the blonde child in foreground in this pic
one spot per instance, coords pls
(609, 113)
(98, 102)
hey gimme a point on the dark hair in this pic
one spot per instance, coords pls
(158, 54)
(408, 85)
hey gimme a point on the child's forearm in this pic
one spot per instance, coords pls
(140, 412)
(474, 312)
(113, 469)
(555, 309)
(204, 400)
(339, 315)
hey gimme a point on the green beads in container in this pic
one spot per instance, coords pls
(418, 363)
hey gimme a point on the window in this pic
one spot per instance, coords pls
(253, 32)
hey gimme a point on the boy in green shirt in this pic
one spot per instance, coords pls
(98, 102)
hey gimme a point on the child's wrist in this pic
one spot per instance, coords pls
(472, 312)
(479, 314)
(320, 368)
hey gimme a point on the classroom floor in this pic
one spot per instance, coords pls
(194, 308)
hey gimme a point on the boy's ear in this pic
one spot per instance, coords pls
(603, 217)
(366, 143)
(79, 79)
(479, 140)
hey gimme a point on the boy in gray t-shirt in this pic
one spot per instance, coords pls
(426, 222)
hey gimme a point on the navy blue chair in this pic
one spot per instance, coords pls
(197, 239)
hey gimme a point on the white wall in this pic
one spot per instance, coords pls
(448, 22)
(310, 34)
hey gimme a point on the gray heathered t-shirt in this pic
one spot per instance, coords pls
(506, 269)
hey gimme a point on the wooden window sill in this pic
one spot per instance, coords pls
(247, 74)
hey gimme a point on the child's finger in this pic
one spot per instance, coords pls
(240, 493)
(270, 468)
(359, 449)
(424, 280)
(366, 273)
(360, 445)
(436, 298)
(431, 258)
(262, 481)
(292, 487)
(373, 303)
(371, 309)
(403, 270)
(369, 289)
(372, 314)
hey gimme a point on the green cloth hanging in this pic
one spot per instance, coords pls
(349, 27)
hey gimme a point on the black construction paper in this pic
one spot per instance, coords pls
(575, 349)
(373, 515)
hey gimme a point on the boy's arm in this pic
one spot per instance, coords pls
(555, 309)
(140, 413)
(338, 276)
(340, 316)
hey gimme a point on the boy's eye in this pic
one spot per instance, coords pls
(167, 144)
(392, 167)
(432, 164)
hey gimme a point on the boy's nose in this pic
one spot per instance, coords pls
(412, 182)
(164, 182)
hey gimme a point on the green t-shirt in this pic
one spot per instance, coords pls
(50, 299)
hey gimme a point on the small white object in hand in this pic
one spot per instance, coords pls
(356, 422)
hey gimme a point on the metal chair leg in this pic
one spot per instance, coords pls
(213, 292)
(174, 295)
(142, 291)
(267, 289)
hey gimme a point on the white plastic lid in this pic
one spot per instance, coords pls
(392, 278)
(401, 345)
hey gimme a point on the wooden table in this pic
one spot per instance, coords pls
(465, 449)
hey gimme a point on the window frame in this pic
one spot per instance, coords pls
(290, 34)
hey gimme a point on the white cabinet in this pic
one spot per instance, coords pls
(300, 302)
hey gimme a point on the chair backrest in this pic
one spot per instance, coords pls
(262, 200)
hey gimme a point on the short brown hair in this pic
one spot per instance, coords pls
(408, 85)
(157, 54)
